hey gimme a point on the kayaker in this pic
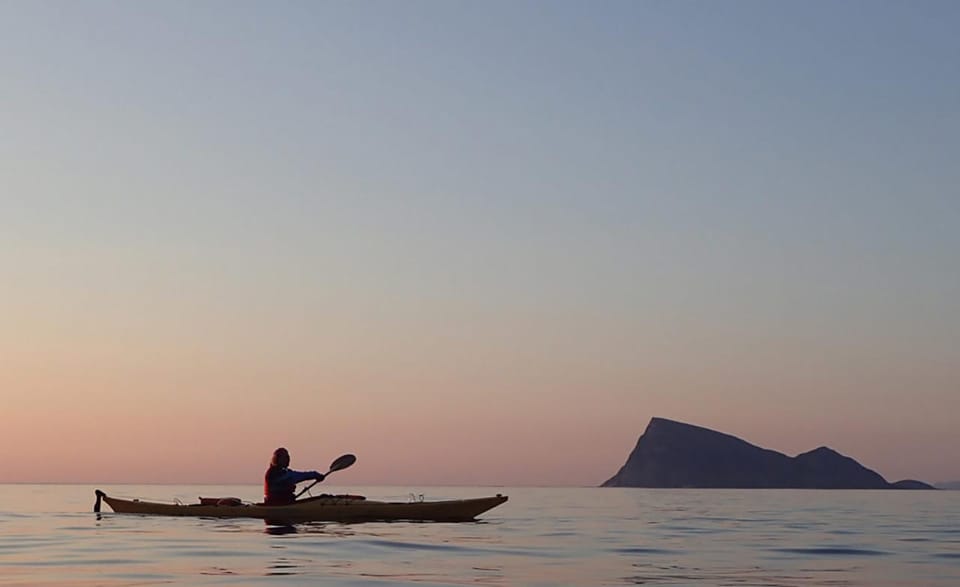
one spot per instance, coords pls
(280, 482)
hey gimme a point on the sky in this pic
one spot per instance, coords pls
(474, 243)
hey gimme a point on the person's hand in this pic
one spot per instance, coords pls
(318, 476)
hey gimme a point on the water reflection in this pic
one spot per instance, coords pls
(276, 529)
(334, 529)
(282, 566)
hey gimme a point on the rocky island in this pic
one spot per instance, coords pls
(673, 454)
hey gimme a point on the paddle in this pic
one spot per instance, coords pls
(339, 464)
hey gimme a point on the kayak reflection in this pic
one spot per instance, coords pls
(279, 528)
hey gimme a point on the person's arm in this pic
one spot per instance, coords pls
(298, 476)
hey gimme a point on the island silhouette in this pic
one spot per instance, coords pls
(672, 454)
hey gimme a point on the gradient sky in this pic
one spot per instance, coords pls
(474, 242)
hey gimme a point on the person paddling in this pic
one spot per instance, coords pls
(280, 482)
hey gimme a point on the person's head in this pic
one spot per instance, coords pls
(281, 458)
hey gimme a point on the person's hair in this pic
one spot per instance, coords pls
(279, 455)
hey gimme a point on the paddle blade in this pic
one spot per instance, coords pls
(341, 463)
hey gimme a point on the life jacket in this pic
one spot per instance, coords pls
(277, 487)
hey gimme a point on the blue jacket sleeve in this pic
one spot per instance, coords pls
(298, 476)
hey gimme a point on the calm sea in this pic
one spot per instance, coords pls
(575, 537)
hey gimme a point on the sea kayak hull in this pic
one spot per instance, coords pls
(318, 509)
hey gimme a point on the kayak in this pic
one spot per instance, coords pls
(324, 508)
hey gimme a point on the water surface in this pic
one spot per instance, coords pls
(576, 537)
